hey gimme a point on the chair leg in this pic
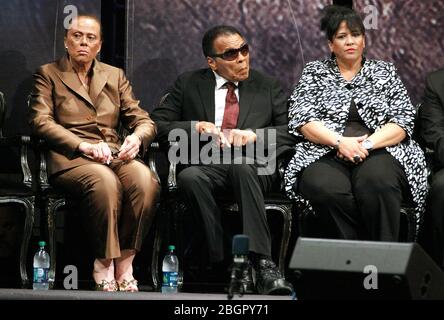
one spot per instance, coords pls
(51, 208)
(29, 204)
(286, 211)
(178, 229)
(155, 256)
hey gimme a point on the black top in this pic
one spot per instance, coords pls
(355, 126)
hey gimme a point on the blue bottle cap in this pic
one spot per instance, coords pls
(42, 243)
(171, 247)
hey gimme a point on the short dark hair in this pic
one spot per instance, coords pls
(89, 16)
(333, 16)
(212, 34)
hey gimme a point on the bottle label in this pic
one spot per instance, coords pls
(41, 275)
(169, 279)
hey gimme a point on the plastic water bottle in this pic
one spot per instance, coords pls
(170, 270)
(41, 268)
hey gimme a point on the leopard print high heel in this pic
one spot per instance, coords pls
(128, 285)
(107, 286)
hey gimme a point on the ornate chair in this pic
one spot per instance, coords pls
(52, 201)
(172, 208)
(16, 185)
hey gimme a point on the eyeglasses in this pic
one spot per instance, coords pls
(231, 54)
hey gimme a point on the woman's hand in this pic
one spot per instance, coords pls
(99, 152)
(130, 148)
(350, 149)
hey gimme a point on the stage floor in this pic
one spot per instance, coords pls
(29, 294)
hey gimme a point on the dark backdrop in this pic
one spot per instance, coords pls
(159, 39)
(31, 35)
(164, 38)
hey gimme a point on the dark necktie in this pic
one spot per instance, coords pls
(231, 112)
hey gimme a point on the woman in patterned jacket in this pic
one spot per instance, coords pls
(358, 162)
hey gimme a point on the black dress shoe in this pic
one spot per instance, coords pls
(270, 281)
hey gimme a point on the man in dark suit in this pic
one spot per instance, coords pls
(432, 132)
(238, 108)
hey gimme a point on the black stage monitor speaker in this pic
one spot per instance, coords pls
(344, 269)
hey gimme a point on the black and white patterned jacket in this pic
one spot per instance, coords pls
(322, 94)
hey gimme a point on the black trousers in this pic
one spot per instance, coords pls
(432, 233)
(356, 201)
(201, 185)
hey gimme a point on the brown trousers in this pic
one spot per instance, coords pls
(117, 203)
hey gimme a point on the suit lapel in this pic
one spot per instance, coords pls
(206, 87)
(246, 96)
(98, 81)
(72, 81)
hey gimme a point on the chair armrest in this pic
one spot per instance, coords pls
(153, 149)
(430, 161)
(172, 172)
(151, 159)
(2, 113)
(27, 176)
(282, 162)
(23, 142)
(40, 150)
(43, 168)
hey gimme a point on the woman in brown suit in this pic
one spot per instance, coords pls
(77, 104)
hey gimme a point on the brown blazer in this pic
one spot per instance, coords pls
(65, 114)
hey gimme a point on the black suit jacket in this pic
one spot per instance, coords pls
(431, 116)
(262, 104)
